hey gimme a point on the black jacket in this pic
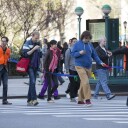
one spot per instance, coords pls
(48, 59)
(123, 50)
(103, 56)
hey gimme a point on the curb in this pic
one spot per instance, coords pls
(63, 95)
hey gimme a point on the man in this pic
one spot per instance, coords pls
(4, 56)
(102, 72)
(32, 50)
(123, 50)
(83, 51)
(70, 67)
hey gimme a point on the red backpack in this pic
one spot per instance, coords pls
(22, 65)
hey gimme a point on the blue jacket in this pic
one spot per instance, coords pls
(36, 55)
(86, 59)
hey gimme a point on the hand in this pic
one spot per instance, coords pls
(36, 47)
(109, 53)
(82, 52)
(67, 71)
(104, 65)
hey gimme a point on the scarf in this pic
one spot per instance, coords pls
(54, 62)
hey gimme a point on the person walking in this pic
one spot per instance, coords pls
(83, 51)
(70, 68)
(51, 65)
(32, 50)
(123, 50)
(4, 56)
(102, 72)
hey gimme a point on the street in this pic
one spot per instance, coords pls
(65, 114)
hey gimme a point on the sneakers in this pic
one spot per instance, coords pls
(88, 103)
(57, 97)
(41, 97)
(32, 103)
(6, 103)
(81, 102)
(73, 100)
(50, 101)
(35, 102)
(111, 96)
(68, 96)
(29, 103)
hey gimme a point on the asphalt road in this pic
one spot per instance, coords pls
(65, 114)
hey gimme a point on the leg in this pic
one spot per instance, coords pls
(72, 85)
(32, 82)
(84, 91)
(5, 84)
(55, 80)
(44, 88)
(48, 77)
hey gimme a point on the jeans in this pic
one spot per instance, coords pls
(74, 85)
(4, 79)
(44, 88)
(102, 81)
(32, 72)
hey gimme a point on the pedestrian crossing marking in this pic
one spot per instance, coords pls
(101, 110)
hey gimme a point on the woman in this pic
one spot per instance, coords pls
(51, 65)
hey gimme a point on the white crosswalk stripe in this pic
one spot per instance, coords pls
(115, 110)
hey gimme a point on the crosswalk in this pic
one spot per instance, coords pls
(102, 110)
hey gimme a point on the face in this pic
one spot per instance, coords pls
(54, 46)
(103, 42)
(35, 38)
(4, 41)
(87, 39)
(74, 41)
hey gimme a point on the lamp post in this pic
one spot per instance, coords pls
(125, 26)
(79, 11)
(106, 9)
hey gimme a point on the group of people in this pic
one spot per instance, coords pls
(77, 58)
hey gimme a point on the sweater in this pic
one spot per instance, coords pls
(84, 60)
(69, 60)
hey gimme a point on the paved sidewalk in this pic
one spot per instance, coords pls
(18, 89)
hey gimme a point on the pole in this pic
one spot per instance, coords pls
(125, 37)
(79, 20)
(107, 29)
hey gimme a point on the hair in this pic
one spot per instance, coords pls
(53, 42)
(35, 33)
(45, 41)
(74, 38)
(65, 45)
(101, 38)
(86, 34)
(5, 38)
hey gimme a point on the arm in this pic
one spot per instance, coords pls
(75, 53)
(67, 59)
(95, 56)
(27, 51)
(119, 51)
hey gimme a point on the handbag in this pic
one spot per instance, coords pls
(22, 65)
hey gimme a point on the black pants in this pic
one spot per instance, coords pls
(74, 85)
(51, 89)
(4, 79)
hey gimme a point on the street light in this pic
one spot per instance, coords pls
(79, 11)
(125, 26)
(106, 9)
